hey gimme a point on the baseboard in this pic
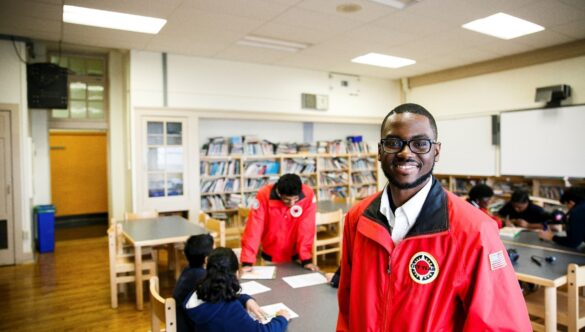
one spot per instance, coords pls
(94, 219)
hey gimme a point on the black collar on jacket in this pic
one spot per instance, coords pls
(433, 217)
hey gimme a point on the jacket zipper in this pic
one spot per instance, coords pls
(389, 272)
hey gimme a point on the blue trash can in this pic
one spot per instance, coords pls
(45, 220)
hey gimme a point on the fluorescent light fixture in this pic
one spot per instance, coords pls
(398, 4)
(279, 45)
(503, 26)
(383, 60)
(112, 20)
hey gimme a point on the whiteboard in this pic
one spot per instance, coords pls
(466, 147)
(546, 142)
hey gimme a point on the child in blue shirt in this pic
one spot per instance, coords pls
(216, 305)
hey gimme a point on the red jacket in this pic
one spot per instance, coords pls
(450, 273)
(282, 233)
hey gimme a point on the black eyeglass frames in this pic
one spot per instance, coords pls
(417, 145)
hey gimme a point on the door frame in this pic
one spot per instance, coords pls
(18, 199)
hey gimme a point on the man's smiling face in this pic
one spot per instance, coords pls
(406, 169)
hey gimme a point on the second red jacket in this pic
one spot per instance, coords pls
(283, 232)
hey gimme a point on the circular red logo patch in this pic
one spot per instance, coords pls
(423, 267)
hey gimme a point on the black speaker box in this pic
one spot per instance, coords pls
(47, 85)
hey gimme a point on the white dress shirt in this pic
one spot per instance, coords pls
(402, 220)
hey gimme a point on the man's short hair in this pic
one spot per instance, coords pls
(197, 248)
(480, 191)
(289, 185)
(415, 109)
(520, 196)
(574, 194)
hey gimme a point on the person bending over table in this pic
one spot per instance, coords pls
(282, 220)
(417, 257)
(216, 304)
(480, 196)
(574, 199)
(521, 212)
(197, 248)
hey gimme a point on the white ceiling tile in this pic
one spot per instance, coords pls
(291, 33)
(414, 25)
(549, 13)
(575, 3)
(574, 29)
(316, 21)
(256, 9)
(369, 10)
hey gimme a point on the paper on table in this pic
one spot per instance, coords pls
(304, 280)
(260, 272)
(510, 232)
(271, 310)
(253, 287)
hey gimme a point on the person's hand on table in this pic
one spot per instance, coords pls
(284, 313)
(311, 266)
(246, 269)
(253, 307)
(546, 235)
(522, 223)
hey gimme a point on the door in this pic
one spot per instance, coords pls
(6, 218)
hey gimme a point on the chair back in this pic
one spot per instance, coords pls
(140, 215)
(328, 237)
(217, 228)
(162, 310)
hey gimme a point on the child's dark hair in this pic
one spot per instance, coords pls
(520, 196)
(574, 194)
(289, 185)
(197, 248)
(480, 191)
(221, 282)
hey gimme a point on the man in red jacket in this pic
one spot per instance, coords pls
(418, 258)
(282, 219)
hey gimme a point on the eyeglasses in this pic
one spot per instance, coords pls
(417, 145)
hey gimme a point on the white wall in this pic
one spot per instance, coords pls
(507, 90)
(13, 91)
(200, 83)
(41, 165)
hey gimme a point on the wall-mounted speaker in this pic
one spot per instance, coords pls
(47, 85)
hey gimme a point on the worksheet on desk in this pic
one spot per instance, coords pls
(253, 287)
(260, 272)
(271, 310)
(304, 280)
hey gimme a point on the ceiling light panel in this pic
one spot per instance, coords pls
(275, 44)
(383, 60)
(112, 20)
(503, 26)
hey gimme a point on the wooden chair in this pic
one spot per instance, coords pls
(217, 230)
(122, 264)
(328, 237)
(570, 303)
(162, 310)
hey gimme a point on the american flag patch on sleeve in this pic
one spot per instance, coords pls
(497, 260)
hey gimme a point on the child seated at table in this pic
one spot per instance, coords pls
(215, 305)
(197, 248)
(520, 211)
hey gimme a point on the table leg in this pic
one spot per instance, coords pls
(138, 276)
(550, 309)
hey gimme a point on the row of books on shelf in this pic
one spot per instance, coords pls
(220, 185)
(220, 168)
(299, 165)
(363, 177)
(251, 145)
(264, 167)
(333, 178)
(333, 163)
(328, 194)
(363, 191)
(362, 164)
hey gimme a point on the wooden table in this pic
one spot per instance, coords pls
(316, 305)
(154, 232)
(549, 275)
